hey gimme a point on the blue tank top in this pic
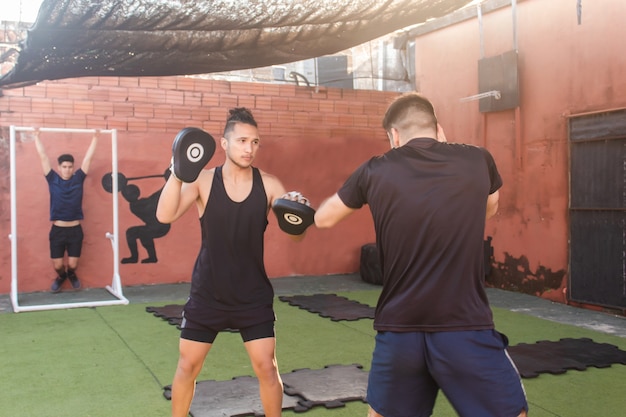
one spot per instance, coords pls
(229, 273)
(66, 196)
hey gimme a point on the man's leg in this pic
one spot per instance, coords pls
(372, 413)
(59, 268)
(72, 264)
(262, 354)
(74, 236)
(190, 361)
(57, 255)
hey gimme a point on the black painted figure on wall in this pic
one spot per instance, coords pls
(145, 209)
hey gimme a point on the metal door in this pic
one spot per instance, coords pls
(597, 270)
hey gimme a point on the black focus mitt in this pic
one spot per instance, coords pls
(293, 217)
(191, 151)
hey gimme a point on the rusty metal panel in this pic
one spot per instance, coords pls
(597, 174)
(332, 71)
(598, 209)
(598, 126)
(499, 73)
(597, 272)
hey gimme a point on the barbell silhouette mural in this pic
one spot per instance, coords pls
(144, 209)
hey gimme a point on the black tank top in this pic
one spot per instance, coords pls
(229, 273)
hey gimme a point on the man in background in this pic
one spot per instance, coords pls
(66, 211)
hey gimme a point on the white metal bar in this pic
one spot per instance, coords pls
(116, 282)
(493, 93)
(13, 235)
(514, 16)
(381, 65)
(479, 14)
(63, 306)
(116, 286)
(62, 130)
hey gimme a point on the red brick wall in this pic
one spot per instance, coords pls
(312, 138)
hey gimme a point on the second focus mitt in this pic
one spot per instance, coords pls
(293, 217)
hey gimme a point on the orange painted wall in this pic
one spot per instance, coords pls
(311, 139)
(564, 69)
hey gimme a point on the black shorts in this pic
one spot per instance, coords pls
(204, 323)
(68, 239)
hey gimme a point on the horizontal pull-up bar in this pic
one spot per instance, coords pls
(116, 285)
(62, 130)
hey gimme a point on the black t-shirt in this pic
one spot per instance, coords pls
(428, 201)
(66, 196)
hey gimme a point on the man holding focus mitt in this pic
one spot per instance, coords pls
(229, 285)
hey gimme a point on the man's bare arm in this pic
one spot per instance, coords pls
(176, 198)
(275, 190)
(492, 204)
(89, 154)
(331, 212)
(41, 150)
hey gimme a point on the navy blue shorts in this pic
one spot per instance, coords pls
(472, 369)
(203, 325)
(68, 239)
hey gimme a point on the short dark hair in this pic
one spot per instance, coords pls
(238, 115)
(66, 157)
(401, 105)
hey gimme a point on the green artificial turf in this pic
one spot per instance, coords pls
(92, 362)
(114, 361)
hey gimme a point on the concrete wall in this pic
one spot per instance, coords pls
(565, 68)
(311, 139)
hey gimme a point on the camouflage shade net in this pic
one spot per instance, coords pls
(80, 38)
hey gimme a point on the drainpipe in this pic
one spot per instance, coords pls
(518, 112)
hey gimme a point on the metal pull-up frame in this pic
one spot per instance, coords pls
(116, 286)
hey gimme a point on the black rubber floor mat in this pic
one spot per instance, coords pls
(566, 354)
(331, 387)
(172, 313)
(331, 306)
(236, 397)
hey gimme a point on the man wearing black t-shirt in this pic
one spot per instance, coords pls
(66, 211)
(429, 200)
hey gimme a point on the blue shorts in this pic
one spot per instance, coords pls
(472, 369)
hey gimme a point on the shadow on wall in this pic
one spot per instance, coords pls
(514, 274)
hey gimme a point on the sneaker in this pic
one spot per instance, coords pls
(74, 281)
(57, 284)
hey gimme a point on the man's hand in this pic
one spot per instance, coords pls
(297, 197)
